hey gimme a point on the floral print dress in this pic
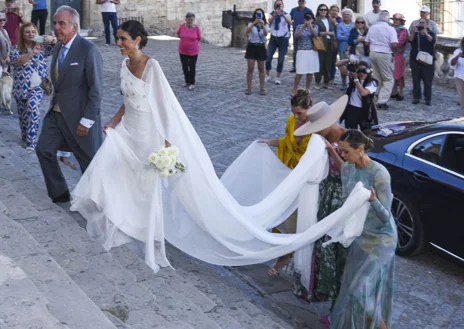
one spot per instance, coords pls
(366, 294)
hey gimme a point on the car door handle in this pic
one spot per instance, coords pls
(421, 176)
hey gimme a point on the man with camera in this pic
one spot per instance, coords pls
(382, 40)
(14, 18)
(424, 13)
(298, 14)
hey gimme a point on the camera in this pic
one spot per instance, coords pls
(307, 17)
(352, 67)
(420, 28)
(278, 7)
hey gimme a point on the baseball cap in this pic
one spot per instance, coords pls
(425, 9)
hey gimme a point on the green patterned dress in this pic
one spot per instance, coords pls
(366, 293)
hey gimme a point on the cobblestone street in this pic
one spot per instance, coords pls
(429, 289)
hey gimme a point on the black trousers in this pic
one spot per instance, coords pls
(39, 16)
(189, 64)
(353, 116)
(425, 73)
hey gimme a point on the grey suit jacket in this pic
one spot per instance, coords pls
(78, 90)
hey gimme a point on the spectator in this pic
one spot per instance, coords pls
(360, 110)
(30, 59)
(424, 13)
(307, 58)
(5, 44)
(457, 63)
(399, 57)
(422, 39)
(334, 12)
(358, 50)
(343, 34)
(256, 48)
(327, 31)
(382, 41)
(297, 14)
(373, 16)
(14, 18)
(39, 14)
(109, 14)
(280, 34)
(189, 47)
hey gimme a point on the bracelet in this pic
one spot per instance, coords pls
(356, 80)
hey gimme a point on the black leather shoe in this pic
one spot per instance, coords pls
(428, 103)
(416, 101)
(292, 70)
(65, 197)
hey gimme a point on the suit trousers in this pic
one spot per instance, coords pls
(460, 89)
(383, 65)
(425, 73)
(39, 16)
(55, 136)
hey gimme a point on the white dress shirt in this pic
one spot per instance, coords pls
(84, 121)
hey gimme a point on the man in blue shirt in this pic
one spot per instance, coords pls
(297, 14)
(39, 14)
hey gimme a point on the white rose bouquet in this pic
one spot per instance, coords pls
(166, 161)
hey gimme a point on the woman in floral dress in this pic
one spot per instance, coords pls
(365, 299)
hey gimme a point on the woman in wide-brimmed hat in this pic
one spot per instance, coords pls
(328, 262)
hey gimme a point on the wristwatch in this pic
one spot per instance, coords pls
(356, 80)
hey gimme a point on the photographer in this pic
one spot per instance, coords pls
(14, 19)
(360, 110)
(307, 60)
(256, 49)
(279, 21)
(422, 40)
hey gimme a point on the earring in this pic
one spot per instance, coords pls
(137, 46)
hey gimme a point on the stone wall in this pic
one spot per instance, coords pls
(165, 16)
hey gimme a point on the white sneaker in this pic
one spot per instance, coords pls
(277, 81)
(267, 78)
(191, 87)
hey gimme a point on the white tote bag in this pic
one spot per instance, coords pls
(422, 56)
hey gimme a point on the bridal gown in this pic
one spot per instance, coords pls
(221, 221)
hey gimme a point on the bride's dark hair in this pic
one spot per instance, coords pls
(135, 29)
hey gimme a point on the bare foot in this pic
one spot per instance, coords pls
(281, 262)
(68, 162)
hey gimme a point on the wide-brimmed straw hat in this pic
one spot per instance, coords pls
(322, 116)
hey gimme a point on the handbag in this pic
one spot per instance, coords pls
(318, 44)
(423, 57)
(46, 86)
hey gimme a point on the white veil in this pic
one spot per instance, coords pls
(226, 222)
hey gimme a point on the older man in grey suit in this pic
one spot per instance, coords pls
(73, 120)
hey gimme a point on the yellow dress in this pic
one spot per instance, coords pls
(290, 153)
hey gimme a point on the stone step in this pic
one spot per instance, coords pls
(22, 305)
(61, 296)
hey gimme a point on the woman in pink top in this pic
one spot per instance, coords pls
(189, 47)
(400, 60)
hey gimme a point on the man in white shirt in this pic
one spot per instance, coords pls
(109, 14)
(382, 40)
(424, 13)
(373, 15)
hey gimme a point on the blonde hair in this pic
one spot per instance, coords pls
(21, 43)
(361, 17)
(302, 98)
(283, 5)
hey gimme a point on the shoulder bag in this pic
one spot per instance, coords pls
(423, 57)
(46, 86)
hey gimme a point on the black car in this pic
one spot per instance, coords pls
(426, 164)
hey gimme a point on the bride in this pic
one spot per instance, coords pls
(223, 222)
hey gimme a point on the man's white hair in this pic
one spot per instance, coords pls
(75, 17)
(384, 16)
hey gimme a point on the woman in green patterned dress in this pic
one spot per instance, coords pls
(365, 299)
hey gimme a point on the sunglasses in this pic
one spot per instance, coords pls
(323, 9)
(360, 23)
(364, 71)
(2, 20)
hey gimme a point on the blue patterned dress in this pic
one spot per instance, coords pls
(366, 293)
(28, 99)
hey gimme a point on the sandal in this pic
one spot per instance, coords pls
(262, 92)
(247, 92)
(68, 163)
(282, 262)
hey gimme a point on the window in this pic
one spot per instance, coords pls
(453, 153)
(429, 150)
(352, 4)
(437, 11)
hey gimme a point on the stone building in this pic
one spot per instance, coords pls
(160, 16)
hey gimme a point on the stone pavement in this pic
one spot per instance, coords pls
(429, 290)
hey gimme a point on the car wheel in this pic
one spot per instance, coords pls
(411, 237)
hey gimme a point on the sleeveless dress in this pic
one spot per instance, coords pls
(118, 195)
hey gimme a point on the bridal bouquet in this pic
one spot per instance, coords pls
(166, 161)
